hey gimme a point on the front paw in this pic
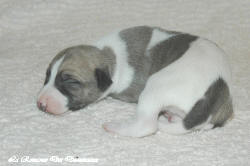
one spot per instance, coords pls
(112, 127)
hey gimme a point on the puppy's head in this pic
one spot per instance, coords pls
(76, 77)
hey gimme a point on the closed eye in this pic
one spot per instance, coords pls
(71, 81)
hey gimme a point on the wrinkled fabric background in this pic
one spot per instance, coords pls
(33, 31)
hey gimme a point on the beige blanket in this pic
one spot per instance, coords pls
(33, 31)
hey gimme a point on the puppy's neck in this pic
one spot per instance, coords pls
(109, 60)
(108, 63)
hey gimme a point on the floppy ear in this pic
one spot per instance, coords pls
(102, 78)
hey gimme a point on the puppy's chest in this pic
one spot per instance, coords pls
(138, 82)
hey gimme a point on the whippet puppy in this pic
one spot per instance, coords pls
(181, 82)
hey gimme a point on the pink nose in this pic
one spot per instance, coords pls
(50, 105)
(41, 106)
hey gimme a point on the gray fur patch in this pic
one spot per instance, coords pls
(216, 102)
(168, 51)
(137, 39)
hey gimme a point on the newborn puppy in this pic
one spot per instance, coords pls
(181, 82)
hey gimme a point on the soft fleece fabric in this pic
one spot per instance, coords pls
(33, 31)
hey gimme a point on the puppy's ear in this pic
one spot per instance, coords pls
(102, 78)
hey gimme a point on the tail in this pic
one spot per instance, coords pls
(224, 114)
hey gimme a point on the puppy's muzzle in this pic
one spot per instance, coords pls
(41, 106)
(50, 100)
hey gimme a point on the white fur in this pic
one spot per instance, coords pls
(185, 81)
(50, 89)
(180, 84)
(157, 37)
(123, 72)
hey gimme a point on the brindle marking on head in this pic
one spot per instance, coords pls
(76, 77)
